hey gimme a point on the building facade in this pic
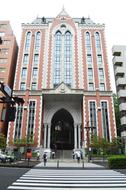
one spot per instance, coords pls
(119, 62)
(62, 73)
(8, 59)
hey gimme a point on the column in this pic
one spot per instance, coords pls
(48, 143)
(75, 136)
(45, 134)
(79, 131)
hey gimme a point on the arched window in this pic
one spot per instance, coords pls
(27, 42)
(63, 58)
(57, 58)
(97, 42)
(37, 41)
(68, 58)
(88, 42)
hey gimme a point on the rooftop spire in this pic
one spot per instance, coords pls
(63, 12)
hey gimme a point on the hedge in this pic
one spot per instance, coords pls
(117, 162)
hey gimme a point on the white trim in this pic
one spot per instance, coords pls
(40, 120)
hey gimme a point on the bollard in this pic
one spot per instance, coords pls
(57, 163)
(83, 164)
(28, 162)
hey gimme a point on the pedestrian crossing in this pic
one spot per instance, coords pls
(55, 179)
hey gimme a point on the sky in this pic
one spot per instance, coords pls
(110, 12)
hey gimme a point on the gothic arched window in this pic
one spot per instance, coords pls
(88, 42)
(97, 41)
(57, 58)
(63, 58)
(37, 41)
(68, 58)
(27, 42)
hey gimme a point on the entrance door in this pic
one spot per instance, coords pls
(62, 131)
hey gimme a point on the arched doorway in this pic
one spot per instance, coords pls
(62, 131)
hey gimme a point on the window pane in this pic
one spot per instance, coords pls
(25, 60)
(68, 58)
(27, 42)
(22, 86)
(57, 64)
(105, 121)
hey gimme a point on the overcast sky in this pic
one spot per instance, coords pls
(110, 12)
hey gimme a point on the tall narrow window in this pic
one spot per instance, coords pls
(67, 58)
(25, 60)
(99, 59)
(97, 41)
(23, 86)
(36, 59)
(89, 59)
(102, 87)
(93, 115)
(91, 86)
(105, 122)
(24, 72)
(27, 42)
(101, 74)
(57, 57)
(37, 41)
(33, 86)
(31, 119)
(90, 74)
(17, 134)
(88, 42)
(35, 72)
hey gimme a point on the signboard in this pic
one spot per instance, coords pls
(7, 90)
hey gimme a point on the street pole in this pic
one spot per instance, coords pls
(88, 128)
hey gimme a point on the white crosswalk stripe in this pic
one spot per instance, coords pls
(40, 179)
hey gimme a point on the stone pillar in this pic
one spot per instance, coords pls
(75, 136)
(48, 144)
(45, 135)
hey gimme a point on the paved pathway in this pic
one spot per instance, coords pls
(68, 164)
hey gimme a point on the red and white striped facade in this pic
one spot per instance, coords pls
(87, 101)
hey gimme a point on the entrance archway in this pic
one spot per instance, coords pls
(62, 131)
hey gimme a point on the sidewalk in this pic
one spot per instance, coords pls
(54, 163)
(68, 164)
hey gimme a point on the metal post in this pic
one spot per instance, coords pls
(57, 163)
(83, 163)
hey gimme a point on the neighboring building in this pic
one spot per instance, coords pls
(8, 58)
(119, 62)
(63, 75)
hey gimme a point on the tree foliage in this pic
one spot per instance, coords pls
(104, 147)
(2, 141)
(24, 142)
(117, 114)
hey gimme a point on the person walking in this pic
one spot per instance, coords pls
(78, 157)
(45, 159)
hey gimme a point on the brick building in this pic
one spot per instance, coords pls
(62, 73)
(8, 58)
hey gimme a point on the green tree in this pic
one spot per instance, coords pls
(117, 114)
(2, 141)
(99, 144)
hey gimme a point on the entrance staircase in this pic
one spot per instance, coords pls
(63, 154)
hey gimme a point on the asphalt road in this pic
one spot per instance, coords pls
(9, 175)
